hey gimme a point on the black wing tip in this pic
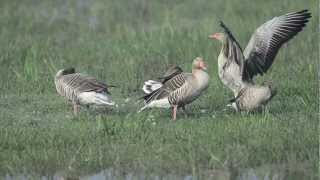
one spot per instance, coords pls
(144, 97)
(226, 29)
(172, 71)
(113, 86)
(299, 18)
(221, 23)
(305, 13)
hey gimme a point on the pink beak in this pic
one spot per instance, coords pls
(214, 36)
(203, 65)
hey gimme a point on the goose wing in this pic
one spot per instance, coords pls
(170, 73)
(169, 86)
(267, 40)
(84, 83)
(231, 71)
(232, 49)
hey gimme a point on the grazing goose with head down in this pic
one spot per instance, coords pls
(81, 89)
(237, 68)
(177, 88)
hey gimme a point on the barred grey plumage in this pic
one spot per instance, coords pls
(266, 41)
(172, 88)
(253, 97)
(170, 73)
(152, 88)
(81, 89)
(237, 68)
(180, 89)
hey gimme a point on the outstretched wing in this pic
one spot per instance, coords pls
(232, 49)
(231, 68)
(267, 40)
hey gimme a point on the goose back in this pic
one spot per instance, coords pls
(253, 97)
(71, 85)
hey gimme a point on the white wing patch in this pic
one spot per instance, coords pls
(150, 86)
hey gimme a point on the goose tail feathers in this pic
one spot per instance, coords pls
(150, 86)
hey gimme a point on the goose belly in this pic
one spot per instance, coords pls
(160, 103)
(192, 90)
(191, 95)
(95, 98)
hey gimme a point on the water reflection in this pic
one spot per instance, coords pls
(274, 173)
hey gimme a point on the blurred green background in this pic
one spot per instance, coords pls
(125, 43)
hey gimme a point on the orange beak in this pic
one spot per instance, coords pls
(203, 65)
(214, 36)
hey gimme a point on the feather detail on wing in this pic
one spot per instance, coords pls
(170, 73)
(267, 40)
(152, 88)
(168, 87)
(82, 89)
(232, 49)
(83, 83)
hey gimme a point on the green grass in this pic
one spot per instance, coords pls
(125, 43)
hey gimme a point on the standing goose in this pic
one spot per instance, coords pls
(151, 85)
(237, 68)
(81, 89)
(178, 88)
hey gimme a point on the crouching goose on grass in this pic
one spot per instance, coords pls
(177, 88)
(237, 68)
(81, 89)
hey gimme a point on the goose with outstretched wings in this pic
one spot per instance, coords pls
(237, 68)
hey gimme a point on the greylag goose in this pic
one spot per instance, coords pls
(81, 89)
(237, 68)
(177, 88)
(151, 85)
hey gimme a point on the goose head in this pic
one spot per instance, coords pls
(199, 64)
(199, 74)
(62, 72)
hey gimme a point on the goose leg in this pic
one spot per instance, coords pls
(174, 112)
(76, 109)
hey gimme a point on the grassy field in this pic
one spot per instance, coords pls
(125, 43)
